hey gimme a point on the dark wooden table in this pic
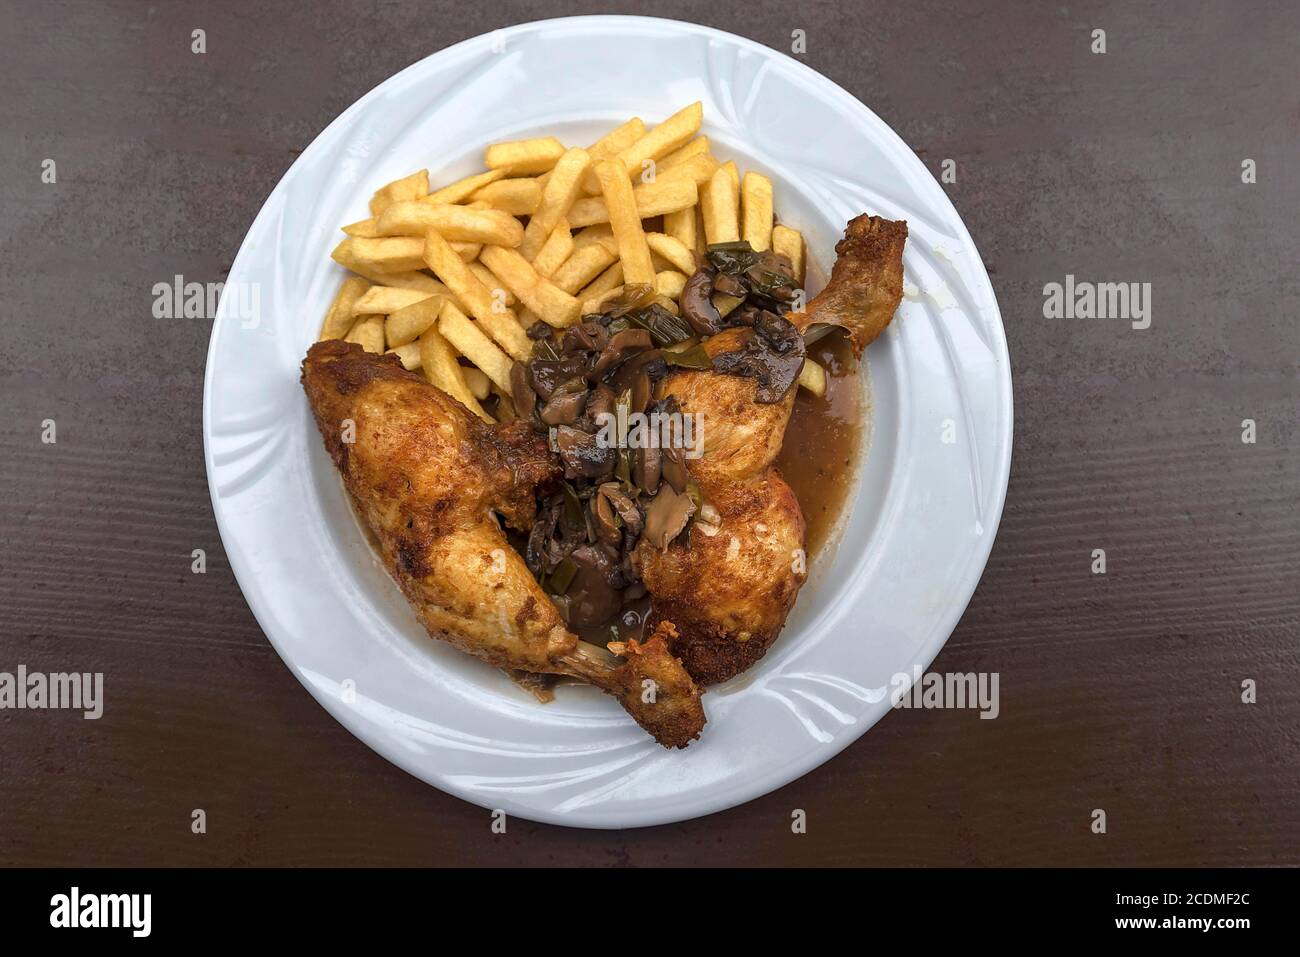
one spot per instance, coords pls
(1120, 692)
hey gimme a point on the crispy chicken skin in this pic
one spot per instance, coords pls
(729, 593)
(429, 478)
(866, 282)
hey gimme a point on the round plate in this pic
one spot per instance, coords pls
(928, 497)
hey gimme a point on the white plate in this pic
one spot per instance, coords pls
(925, 511)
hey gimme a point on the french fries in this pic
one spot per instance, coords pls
(455, 223)
(756, 211)
(518, 197)
(449, 281)
(474, 346)
(788, 242)
(625, 221)
(553, 305)
(439, 365)
(408, 323)
(524, 157)
(561, 190)
(339, 318)
(387, 299)
(368, 333)
(665, 138)
(408, 187)
(392, 254)
(490, 310)
(719, 202)
(666, 194)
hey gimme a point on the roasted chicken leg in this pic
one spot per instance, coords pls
(430, 479)
(729, 592)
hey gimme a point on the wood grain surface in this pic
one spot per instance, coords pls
(1120, 692)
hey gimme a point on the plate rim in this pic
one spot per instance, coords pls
(814, 757)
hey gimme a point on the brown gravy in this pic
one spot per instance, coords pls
(822, 440)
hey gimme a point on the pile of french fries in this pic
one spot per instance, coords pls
(450, 280)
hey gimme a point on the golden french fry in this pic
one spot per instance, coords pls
(409, 355)
(668, 136)
(719, 202)
(561, 190)
(552, 304)
(485, 305)
(484, 275)
(468, 252)
(813, 377)
(625, 221)
(756, 210)
(387, 299)
(616, 140)
(680, 225)
(408, 187)
(599, 233)
(462, 189)
(583, 266)
(477, 381)
(454, 223)
(368, 332)
(391, 254)
(338, 318)
(556, 250)
(699, 169)
(666, 194)
(438, 362)
(610, 279)
(470, 342)
(408, 323)
(518, 197)
(365, 228)
(681, 256)
(788, 242)
(734, 173)
(670, 283)
(701, 245)
(524, 157)
(404, 280)
(696, 147)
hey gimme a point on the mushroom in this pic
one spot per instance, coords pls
(673, 468)
(772, 355)
(621, 346)
(622, 503)
(521, 391)
(583, 456)
(697, 306)
(563, 408)
(666, 516)
(593, 597)
(647, 466)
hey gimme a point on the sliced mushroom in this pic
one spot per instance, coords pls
(621, 346)
(729, 286)
(772, 355)
(521, 391)
(602, 514)
(564, 408)
(666, 516)
(622, 503)
(582, 454)
(673, 468)
(647, 467)
(697, 306)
